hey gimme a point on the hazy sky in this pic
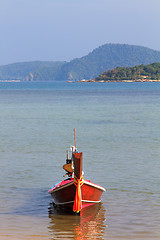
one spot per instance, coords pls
(66, 29)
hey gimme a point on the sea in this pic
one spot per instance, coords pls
(117, 129)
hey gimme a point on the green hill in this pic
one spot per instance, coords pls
(28, 71)
(137, 73)
(105, 57)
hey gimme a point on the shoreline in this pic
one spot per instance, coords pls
(10, 81)
(90, 81)
(110, 81)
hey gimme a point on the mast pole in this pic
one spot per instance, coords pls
(75, 138)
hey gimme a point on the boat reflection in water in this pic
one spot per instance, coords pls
(90, 225)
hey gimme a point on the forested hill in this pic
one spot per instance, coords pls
(31, 71)
(105, 57)
(142, 72)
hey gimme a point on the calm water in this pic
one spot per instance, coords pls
(117, 126)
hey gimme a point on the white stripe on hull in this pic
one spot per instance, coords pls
(87, 201)
(61, 187)
(95, 185)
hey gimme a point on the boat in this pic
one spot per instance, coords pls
(75, 193)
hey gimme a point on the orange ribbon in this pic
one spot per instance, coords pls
(77, 201)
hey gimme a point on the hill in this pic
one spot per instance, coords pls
(142, 72)
(105, 57)
(28, 71)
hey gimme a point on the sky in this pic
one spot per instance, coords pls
(61, 30)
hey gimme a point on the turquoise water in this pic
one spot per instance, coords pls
(117, 127)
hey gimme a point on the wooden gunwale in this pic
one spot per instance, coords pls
(85, 182)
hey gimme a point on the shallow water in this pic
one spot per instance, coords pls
(117, 128)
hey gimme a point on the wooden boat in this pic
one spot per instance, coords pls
(75, 193)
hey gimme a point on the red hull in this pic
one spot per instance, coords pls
(63, 194)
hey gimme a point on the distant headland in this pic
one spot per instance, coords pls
(109, 62)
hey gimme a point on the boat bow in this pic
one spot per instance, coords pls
(74, 192)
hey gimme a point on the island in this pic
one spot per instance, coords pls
(138, 73)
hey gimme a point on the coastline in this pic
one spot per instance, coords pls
(10, 81)
(110, 81)
(93, 81)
